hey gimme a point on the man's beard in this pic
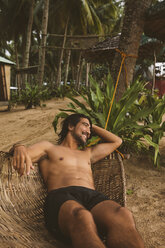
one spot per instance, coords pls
(80, 141)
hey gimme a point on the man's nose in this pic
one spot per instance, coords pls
(88, 131)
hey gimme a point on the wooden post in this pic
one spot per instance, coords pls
(67, 66)
(87, 75)
(153, 83)
(43, 42)
(61, 54)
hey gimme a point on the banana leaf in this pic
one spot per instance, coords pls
(109, 87)
(94, 100)
(81, 105)
(98, 93)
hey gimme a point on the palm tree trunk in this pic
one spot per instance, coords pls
(61, 54)
(43, 42)
(23, 48)
(18, 78)
(132, 30)
(67, 67)
(28, 40)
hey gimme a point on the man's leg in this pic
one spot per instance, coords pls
(118, 225)
(77, 223)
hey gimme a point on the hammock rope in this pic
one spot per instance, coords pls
(123, 55)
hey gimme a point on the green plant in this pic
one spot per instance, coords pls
(14, 100)
(43, 105)
(129, 192)
(32, 95)
(126, 118)
(154, 125)
(62, 91)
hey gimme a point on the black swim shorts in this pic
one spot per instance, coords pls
(85, 196)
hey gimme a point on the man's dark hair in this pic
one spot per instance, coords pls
(72, 120)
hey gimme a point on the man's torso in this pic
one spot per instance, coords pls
(66, 167)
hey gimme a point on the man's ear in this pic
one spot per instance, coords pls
(70, 127)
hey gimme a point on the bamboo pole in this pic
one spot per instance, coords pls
(87, 75)
(79, 36)
(43, 42)
(67, 67)
(153, 83)
(65, 48)
(61, 54)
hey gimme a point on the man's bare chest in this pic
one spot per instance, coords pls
(66, 156)
(65, 163)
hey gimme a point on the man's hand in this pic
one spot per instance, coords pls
(22, 160)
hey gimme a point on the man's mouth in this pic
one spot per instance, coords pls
(85, 135)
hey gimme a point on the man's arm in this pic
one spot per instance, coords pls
(26, 155)
(112, 142)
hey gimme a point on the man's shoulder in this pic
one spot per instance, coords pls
(46, 142)
(46, 145)
(55, 146)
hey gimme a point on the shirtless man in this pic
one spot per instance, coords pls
(74, 210)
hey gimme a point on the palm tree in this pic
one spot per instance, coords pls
(28, 38)
(72, 22)
(43, 42)
(132, 30)
(14, 16)
(107, 12)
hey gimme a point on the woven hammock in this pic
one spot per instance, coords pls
(22, 199)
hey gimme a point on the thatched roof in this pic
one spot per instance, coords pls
(155, 21)
(103, 52)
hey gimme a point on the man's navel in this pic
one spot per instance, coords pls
(61, 158)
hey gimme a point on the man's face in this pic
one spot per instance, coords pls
(82, 131)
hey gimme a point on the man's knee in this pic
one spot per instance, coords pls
(78, 220)
(78, 212)
(125, 216)
(124, 226)
(82, 218)
(125, 212)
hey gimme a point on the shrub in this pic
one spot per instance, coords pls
(32, 95)
(128, 117)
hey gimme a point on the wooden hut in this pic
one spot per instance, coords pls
(5, 66)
